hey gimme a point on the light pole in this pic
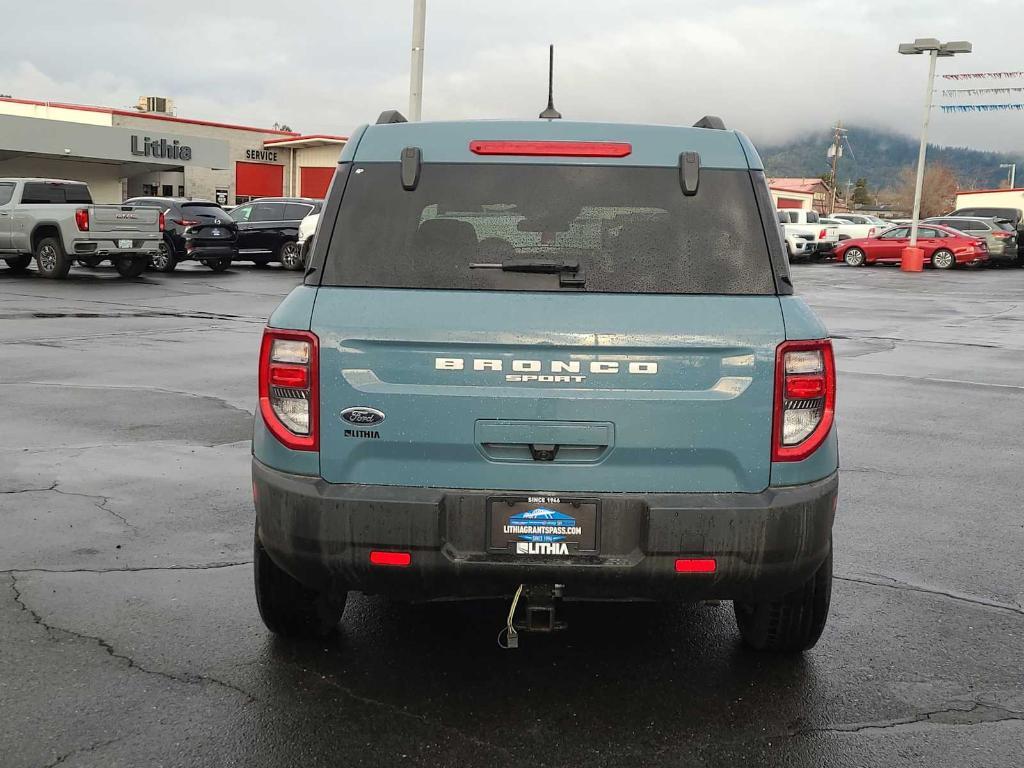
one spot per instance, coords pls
(1013, 172)
(934, 49)
(419, 24)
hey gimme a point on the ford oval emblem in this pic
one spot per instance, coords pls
(362, 416)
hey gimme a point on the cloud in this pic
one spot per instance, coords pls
(771, 69)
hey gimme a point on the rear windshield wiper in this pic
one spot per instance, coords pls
(569, 275)
(541, 266)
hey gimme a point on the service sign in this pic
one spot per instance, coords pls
(261, 155)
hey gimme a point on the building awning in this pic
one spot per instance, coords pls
(137, 148)
(301, 142)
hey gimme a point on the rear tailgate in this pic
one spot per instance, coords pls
(655, 393)
(113, 219)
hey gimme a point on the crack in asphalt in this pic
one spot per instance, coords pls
(888, 582)
(894, 340)
(83, 750)
(874, 470)
(52, 630)
(101, 504)
(140, 388)
(139, 569)
(979, 712)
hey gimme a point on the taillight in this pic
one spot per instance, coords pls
(289, 387)
(871, 232)
(163, 221)
(82, 219)
(186, 222)
(1002, 234)
(805, 398)
(823, 234)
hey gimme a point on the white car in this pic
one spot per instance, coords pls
(852, 227)
(805, 235)
(307, 230)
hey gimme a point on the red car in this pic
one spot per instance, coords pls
(943, 247)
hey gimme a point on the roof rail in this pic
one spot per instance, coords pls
(710, 121)
(389, 116)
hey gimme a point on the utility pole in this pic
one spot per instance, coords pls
(419, 24)
(837, 150)
(1013, 172)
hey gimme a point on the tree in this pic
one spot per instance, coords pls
(282, 127)
(938, 194)
(861, 196)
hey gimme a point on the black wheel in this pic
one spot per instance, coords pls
(89, 261)
(792, 623)
(130, 267)
(18, 264)
(290, 256)
(218, 265)
(854, 257)
(51, 261)
(165, 260)
(287, 607)
(943, 259)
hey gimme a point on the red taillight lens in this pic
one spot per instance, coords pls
(289, 387)
(556, 148)
(823, 234)
(696, 565)
(805, 398)
(186, 222)
(82, 219)
(1002, 235)
(381, 557)
(163, 221)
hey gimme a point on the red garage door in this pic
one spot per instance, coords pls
(788, 202)
(314, 181)
(259, 180)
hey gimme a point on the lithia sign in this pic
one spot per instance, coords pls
(170, 150)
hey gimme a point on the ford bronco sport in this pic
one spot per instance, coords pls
(547, 360)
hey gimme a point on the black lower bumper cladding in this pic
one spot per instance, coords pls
(763, 544)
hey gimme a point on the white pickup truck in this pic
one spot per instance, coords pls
(55, 222)
(805, 235)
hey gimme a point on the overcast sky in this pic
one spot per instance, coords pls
(773, 69)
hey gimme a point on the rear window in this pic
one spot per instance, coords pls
(812, 217)
(43, 193)
(630, 230)
(204, 209)
(295, 211)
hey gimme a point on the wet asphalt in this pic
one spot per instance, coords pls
(129, 634)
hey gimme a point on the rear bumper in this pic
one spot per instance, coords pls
(207, 251)
(765, 544)
(140, 246)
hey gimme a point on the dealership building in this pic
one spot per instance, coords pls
(148, 150)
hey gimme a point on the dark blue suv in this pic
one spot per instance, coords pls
(547, 361)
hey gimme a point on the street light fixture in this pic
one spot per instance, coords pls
(934, 49)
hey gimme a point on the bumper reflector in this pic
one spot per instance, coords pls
(379, 557)
(696, 565)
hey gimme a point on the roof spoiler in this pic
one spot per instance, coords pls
(709, 121)
(389, 116)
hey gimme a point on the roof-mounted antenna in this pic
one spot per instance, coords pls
(551, 113)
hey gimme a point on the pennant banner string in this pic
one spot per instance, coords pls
(982, 107)
(978, 91)
(983, 75)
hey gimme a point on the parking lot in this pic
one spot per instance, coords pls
(129, 634)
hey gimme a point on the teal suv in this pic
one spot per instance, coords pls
(547, 360)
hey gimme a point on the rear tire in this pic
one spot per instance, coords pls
(165, 260)
(287, 607)
(290, 256)
(943, 259)
(18, 264)
(129, 267)
(855, 257)
(51, 261)
(218, 265)
(794, 622)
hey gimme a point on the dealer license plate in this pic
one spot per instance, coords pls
(543, 525)
(124, 243)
